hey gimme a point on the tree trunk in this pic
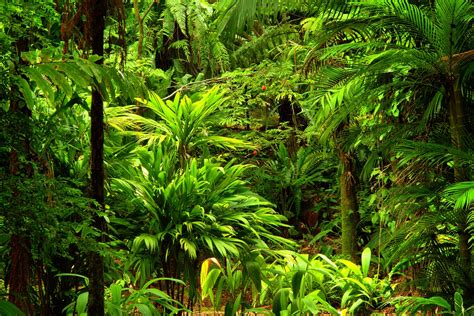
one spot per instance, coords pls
(457, 126)
(139, 19)
(96, 10)
(20, 274)
(349, 205)
(19, 278)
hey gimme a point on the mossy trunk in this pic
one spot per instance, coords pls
(349, 205)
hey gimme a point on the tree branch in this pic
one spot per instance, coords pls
(149, 8)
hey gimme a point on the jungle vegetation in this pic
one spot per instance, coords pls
(248, 157)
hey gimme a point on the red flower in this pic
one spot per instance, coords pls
(264, 87)
(254, 153)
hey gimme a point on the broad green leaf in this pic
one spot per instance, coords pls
(236, 305)
(27, 93)
(116, 293)
(144, 309)
(296, 282)
(43, 84)
(280, 301)
(9, 309)
(345, 297)
(458, 304)
(82, 299)
(366, 256)
(351, 265)
(57, 78)
(439, 301)
(209, 282)
(253, 270)
(315, 295)
(355, 306)
(73, 72)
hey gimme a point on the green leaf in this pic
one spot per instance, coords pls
(144, 309)
(73, 72)
(236, 305)
(439, 301)
(326, 306)
(43, 84)
(57, 78)
(253, 270)
(9, 309)
(458, 304)
(209, 282)
(351, 265)
(356, 305)
(366, 256)
(81, 306)
(228, 309)
(116, 293)
(86, 279)
(345, 297)
(27, 93)
(280, 301)
(296, 282)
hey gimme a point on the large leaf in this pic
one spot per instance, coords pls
(9, 309)
(366, 256)
(27, 93)
(253, 270)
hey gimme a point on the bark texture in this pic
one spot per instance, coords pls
(349, 205)
(19, 278)
(457, 126)
(96, 13)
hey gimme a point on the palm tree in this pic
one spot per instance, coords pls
(331, 120)
(429, 211)
(409, 50)
(438, 60)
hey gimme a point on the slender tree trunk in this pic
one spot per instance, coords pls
(457, 126)
(349, 205)
(140, 20)
(19, 278)
(96, 10)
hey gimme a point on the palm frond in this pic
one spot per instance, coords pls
(431, 154)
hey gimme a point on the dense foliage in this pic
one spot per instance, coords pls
(163, 157)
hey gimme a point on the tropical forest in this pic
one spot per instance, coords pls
(236, 157)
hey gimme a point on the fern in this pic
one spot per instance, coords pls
(271, 42)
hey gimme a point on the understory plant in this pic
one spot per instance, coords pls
(289, 177)
(297, 284)
(189, 214)
(121, 300)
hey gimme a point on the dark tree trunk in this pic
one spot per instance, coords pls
(19, 279)
(289, 113)
(164, 57)
(20, 273)
(96, 13)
